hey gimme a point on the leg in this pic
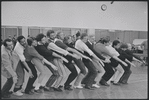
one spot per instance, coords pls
(54, 77)
(31, 81)
(72, 75)
(7, 86)
(100, 70)
(82, 73)
(20, 73)
(92, 73)
(126, 75)
(59, 64)
(118, 74)
(109, 72)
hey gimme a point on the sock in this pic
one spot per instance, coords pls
(37, 86)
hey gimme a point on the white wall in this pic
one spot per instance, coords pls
(119, 15)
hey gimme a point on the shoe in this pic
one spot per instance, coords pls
(6, 96)
(104, 84)
(45, 89)
(96, 86)
(112, 81)
(60, 86)
(116, 84)
(68, 88)
(57, 89)
(18, 93)
(89, 87)
(29, 92)
(10, 92)
(39, 91)
(123, 82)
(78, 87)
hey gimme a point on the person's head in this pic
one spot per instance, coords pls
(8, 44)
(60, 35)
(41, 38)
(129, 46)
(84, 37)
(51, 34)
(67, 39)
(91, 38)
(105, 41)
(31, 41)
(124, 46)
(21, 40)
(78, 35)
(116, 44)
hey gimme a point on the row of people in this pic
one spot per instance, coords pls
(57, 53)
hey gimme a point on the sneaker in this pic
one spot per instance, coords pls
(18, 93)
(96, 86)
(78, 87)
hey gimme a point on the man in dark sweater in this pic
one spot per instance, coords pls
(49, 55)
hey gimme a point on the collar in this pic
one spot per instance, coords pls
(20, 45)
(56, 39)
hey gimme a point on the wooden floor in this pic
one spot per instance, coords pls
(137, 88)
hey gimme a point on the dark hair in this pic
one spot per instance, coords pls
(30, 40)
(49, 32)
(6, 40)
(104, 40)
(124, 45)
(39, 37)
(115, 42)
(66, 39)
(78, 34)
(58, 33)
(20, 38)
(83, 35)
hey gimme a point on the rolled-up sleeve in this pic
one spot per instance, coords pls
(83, 47)
(54, 47)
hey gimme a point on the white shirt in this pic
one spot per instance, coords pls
(19, 49)
(81, 46)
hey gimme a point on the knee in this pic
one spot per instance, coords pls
(95, 72)
(75, 73)
(35, 76)
(83, 72)
(122, 71)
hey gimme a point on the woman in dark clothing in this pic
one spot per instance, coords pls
(33, 58)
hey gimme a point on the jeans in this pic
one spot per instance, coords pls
(109, 72)
(92, 73)
(127, 73)
(7, 86)
(31, 81)
(55, 75)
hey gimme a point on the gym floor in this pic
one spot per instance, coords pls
(136, 88)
